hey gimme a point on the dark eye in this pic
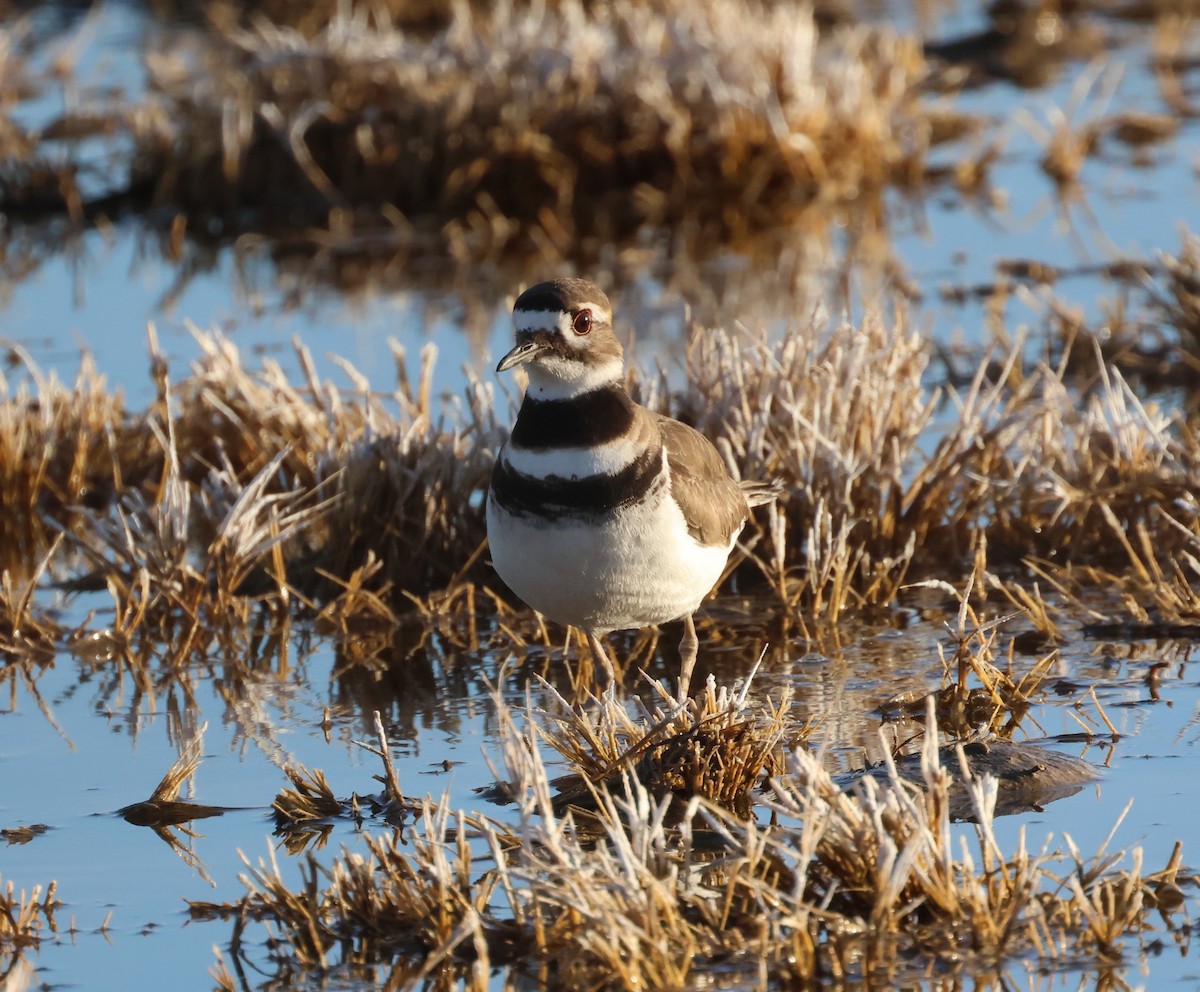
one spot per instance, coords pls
(581, 323)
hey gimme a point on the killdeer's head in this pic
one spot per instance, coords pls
(565, 339)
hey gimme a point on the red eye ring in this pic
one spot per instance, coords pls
(581, 322)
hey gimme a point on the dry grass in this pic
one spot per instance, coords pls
(1067, 144)
(304, 813)
(239, 500)
(1178, 300)
(714, 746)
(1145, 327)
(315, 17)
(996, 708)
(890, 481)
(23, 632)
(164, 808)
(656, 889)
(64, 452)
(685, 837)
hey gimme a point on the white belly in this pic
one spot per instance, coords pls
(633, 568)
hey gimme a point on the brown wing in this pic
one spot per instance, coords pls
(758, 493)
(713, 505)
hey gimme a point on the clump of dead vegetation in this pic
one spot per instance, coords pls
(64, 451)
(1147, 328)
(718, 745)
(702, 833)
(737, 116)
(715, 746)
(891, 481)
(643, 887)
(24, 632)
(238, 498)
(1178, 299)
(305, 812)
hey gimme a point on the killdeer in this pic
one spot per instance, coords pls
(601, 513)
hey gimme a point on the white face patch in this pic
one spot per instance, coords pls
(573, 463)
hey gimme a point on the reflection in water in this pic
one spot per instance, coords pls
(167, 815)
(1029, 777)
(1025, 43)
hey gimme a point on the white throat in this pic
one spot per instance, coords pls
(552, 378)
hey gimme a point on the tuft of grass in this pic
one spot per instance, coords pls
(24, 633)
(304, 813)
(164, 807)
(1179, 301)
(1019, 458)
(246, 501)
(713, 746)
(168, 815)
(65, 454)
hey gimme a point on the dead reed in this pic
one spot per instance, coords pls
(303, 813)
(1145, 327)
(1178, 300)
(64, 453)
(25, 634)
(164, 808)
(1019, 459)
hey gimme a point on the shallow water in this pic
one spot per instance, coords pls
(84, 742)
(123, 887)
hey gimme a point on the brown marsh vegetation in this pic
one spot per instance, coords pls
(242, 509)
(262, 503)
(371, 151)
(1089, 495)
(615, 878)
(241, 496)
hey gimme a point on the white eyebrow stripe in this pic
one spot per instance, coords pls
(554, 320)
(538, 320)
